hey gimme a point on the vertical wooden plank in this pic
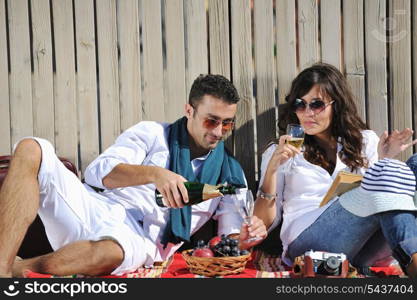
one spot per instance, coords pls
(20, 81)
(353, 30)
(399, 67)
(5, 147)
(357, 85)
(286, 46)
(242, 78)
(108, 71)
(308, 33)
(219, 42)
(129, 63)
(331, 31)
(414, 105)
(175, 96)
(153, 79)
(86, 81)
(66, 114)
(42, 79)
(264, 73)
(219, 37)
(376, 67)
(195, 40)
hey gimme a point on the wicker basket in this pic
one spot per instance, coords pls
(215, 266)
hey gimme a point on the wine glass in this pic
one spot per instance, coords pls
(246, 211)
(296, 133)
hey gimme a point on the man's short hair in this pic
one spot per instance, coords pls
(214, 85)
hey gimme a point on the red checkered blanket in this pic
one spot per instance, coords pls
(261, 265)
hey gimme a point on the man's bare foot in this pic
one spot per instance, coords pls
(17, 267)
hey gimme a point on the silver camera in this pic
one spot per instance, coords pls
(326, 263)
(321, 264)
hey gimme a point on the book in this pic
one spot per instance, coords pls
(343, 182)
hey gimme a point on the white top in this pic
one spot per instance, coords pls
(301, 190)
(146, 144)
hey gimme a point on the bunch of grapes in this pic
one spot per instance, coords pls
(219, 246)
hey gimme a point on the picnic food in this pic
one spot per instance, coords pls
(198, 192)
(219, 265)
(214, 241)
(221, 246)
(203, 252)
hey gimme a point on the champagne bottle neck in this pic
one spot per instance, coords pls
(198, 192)
(227, 189)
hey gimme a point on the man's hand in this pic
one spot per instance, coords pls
(390, 146)
(256, 229)
(172, 188)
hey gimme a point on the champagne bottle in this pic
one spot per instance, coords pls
(199, 192)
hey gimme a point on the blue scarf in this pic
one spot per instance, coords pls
(219, 167)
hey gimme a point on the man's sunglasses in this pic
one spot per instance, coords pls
(316, 105)
(210, 124)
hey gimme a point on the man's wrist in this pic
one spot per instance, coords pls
(155, 172)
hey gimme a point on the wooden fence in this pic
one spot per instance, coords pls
(79, 72)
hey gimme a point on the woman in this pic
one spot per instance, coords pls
(336, 139)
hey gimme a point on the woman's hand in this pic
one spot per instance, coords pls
(266, 209)
(282, 153)
(390, 146)
(257, 229)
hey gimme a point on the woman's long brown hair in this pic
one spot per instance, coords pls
(346, 124)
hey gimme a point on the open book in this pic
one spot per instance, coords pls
(343, 182)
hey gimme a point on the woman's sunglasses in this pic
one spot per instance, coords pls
(210, 124)
(316, 105)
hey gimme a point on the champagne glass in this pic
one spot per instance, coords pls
(296, 133)
(247, 211)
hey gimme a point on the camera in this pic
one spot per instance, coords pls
(321, 264)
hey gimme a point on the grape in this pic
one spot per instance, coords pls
(201, 244)
(233, 242)
(226, 249)
(244, 252)
(219, 251)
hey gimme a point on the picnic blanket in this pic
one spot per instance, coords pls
(261, 265)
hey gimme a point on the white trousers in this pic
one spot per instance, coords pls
(72, 211)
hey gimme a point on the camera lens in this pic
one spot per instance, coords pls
(331, 265)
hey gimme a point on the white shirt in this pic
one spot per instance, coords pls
(300, 191)
(146, 144)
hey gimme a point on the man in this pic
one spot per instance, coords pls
(121, 228)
